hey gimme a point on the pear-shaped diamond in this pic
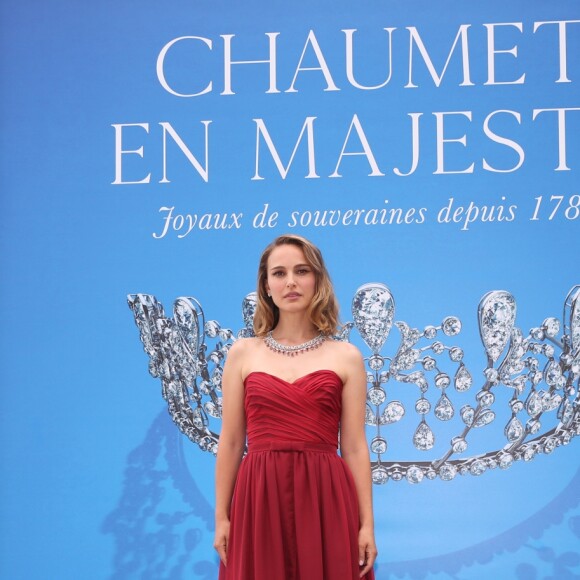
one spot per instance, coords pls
(423, 439)
(534, 404)
(497, 314)
(485, 418)
(444, 409)
(552, 373)
(463, 379)
(393, 412)
(514, 430)
(373, 309)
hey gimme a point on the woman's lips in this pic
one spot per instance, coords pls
(292, 295)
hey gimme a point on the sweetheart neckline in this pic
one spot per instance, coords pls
(295, 380)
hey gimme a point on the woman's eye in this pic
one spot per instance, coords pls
(303, 271)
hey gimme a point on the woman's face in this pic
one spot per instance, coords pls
(290, 279)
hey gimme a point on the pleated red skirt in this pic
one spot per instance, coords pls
(294, 513)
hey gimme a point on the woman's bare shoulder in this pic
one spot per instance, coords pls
(347, 358)
(345, 349)
(241, 351)
(242, 346)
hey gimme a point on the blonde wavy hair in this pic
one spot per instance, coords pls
(323, 310)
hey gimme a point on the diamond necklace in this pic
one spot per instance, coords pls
(275, 346)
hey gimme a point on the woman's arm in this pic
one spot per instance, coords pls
(231, 444)
(354, 450)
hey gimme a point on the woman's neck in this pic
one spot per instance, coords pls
(294, 329)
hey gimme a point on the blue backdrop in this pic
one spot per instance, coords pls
(142, 152)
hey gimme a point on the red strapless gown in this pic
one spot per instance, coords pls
(294, 512)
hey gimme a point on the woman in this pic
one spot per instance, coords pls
(292, 509)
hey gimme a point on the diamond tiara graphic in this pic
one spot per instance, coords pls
(536, 377)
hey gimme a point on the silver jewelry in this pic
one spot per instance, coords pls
(275, 346)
